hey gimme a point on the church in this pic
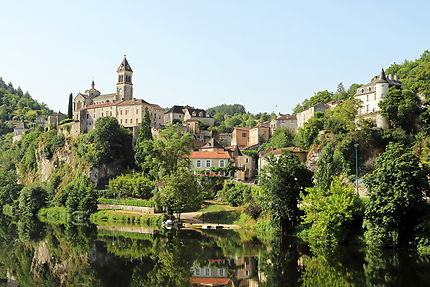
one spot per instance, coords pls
(91, 105)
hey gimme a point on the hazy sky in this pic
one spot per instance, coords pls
(266, 55)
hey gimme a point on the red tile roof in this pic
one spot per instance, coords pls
(210, 281)
(210, 154)
(101, 105)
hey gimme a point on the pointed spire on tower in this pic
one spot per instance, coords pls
(92, 84)
(125, 66)
(382, 75)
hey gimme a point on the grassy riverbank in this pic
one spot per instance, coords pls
(104, 217)
(128, 201)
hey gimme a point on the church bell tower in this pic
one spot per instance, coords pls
(124, 86)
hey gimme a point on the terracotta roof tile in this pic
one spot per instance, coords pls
(210, 154)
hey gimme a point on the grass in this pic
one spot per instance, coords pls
(128, 201)
(106, 217)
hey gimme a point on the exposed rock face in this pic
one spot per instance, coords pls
(100, 175)
(311, 162)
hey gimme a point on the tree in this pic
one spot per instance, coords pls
(401, 108)
(160, 157)
(9, 187)
(329, 211)
(340, 89)
(179, 192)
(145, 134)
(112, 142)
(396, 194)
(282, 179)
(330, 164)
(81, 197)
(70, 107)
(31, 199)
(282, 137)
(308, 133)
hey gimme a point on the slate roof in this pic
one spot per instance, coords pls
(125, 66)
(286, 117)
(176, 110)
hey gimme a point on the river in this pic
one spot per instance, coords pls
(33, 253)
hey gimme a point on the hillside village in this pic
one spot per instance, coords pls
(211, 150)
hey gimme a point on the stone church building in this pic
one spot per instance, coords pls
(92, 105)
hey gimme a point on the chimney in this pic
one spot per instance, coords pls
(375, 77)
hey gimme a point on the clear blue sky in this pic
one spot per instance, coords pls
(266, 55)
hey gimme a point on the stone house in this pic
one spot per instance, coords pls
(224, 139)
(240, 137)
(186, 113)
(284, 121)
(259, 133)
(19, 130)
(305, 115)
(54, 119)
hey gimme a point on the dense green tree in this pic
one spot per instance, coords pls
(145, 134)
(70, 107)
(329, 211)
(80, 197)
(330, 164)
(396, 196)
(164, 155)
(401, 108)
(112, 143)
(9, 187)
(282, 179)
(227, 109)
(179, 192)
(282, 137)
(308, 133)
(31, 199)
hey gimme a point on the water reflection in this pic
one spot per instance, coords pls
(38, 254)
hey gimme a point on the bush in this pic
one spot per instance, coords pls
(128, 201)
(236, 193)
(52, 143)
(132, 185)
(328, 212)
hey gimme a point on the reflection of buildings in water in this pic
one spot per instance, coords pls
(243, 273)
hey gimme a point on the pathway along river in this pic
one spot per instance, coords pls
(38, 254)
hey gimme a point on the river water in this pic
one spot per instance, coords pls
(40, 254)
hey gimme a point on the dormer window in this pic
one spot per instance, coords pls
(362, 90)
(194, 114)
(200, 114)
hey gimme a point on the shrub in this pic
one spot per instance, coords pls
(132, 185)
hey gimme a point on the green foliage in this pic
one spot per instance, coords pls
(179, 192)
(127, 201)
(330, 164)
(282, 180)
(396, 190)
(16, 105)
(309, 132)
(282, 137)
(330, 211)
(132, 185)
(31, 199)
(401, 108)
(52, 141)
(160, 157)
(79, 198)
(9, 187)
(65, 121)
(237, 193)
(108, 217)
(112, 142)
(70, 107)
(227, 109)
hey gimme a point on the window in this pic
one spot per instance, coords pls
(88, 116)
(137, 120)
(221, 272)
(244, 135)
(208, 163)
(207, 272)
(121, 121)
(125, 120)
(222, 163)
(137, 111)
(367, 97)
(110, 113)
(246, 160)
(374, 96)
(120, 112)
(198, 163)
(197, 271)
(94, 115)
(126, 112)
(367, 108)
(102, 114)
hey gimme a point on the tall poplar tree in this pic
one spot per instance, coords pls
(70, 109)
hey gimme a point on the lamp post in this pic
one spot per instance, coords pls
(356, 166)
